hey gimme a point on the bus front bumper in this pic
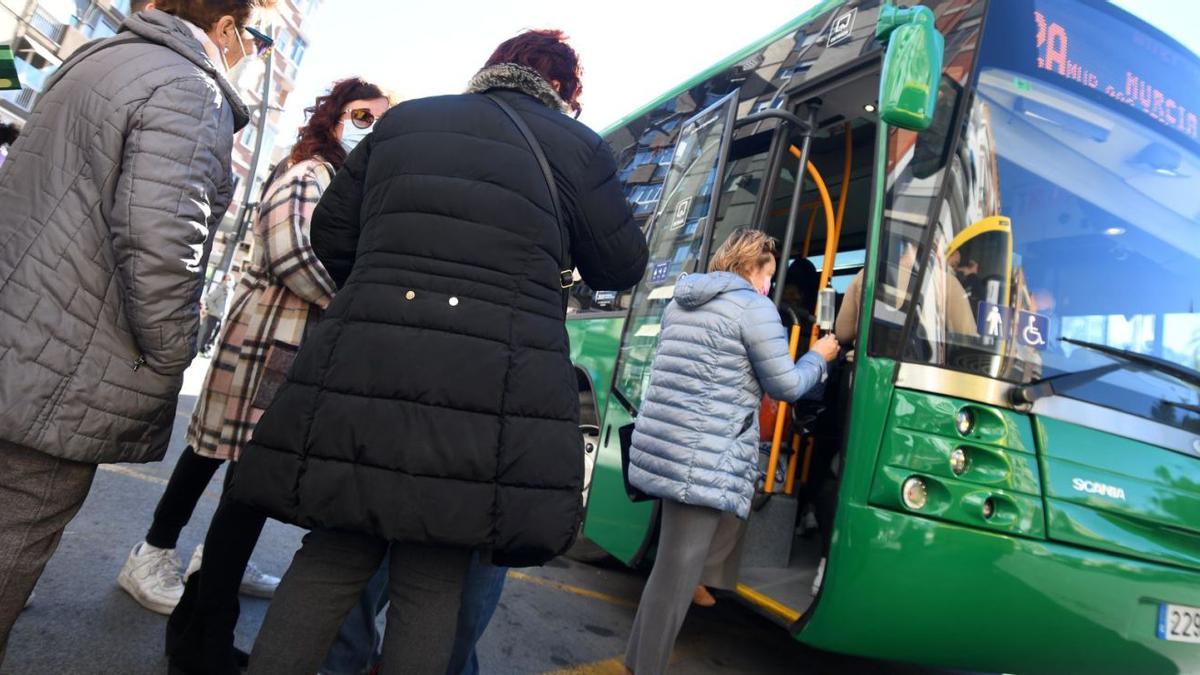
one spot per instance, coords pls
(913, 589)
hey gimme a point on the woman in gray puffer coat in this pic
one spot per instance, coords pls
(696, 440)
(106, 205)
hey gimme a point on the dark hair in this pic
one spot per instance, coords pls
(206, 13)
(547, 52)
(9, 134)
(316, 137)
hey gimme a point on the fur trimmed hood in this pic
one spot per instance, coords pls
(520, 78)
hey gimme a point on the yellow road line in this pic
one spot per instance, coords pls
(777, 608)
(613, 666)
(132, 473)
(574, 590)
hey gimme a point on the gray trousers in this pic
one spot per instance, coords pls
(695, 544)
(39, 495)
(324, 583)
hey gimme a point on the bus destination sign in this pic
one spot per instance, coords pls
(1126, 64)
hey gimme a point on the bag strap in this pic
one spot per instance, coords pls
(566, 276)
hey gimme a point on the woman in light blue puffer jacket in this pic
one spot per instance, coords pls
(695, 444)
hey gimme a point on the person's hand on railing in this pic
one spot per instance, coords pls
(827, 347)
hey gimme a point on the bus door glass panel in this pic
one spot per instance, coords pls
(677, 237)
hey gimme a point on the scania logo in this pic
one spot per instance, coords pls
(1093, 488)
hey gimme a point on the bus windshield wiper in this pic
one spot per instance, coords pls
(1127, 360)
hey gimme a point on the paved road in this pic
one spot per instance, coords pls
(565, 617)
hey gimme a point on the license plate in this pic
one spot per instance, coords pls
(1179, 623)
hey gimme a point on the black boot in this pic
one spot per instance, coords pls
(199, 637)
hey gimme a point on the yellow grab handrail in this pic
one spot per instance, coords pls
(794, 339)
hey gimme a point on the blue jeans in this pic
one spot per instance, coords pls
(357, 647)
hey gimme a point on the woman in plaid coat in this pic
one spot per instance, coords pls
(282, 292)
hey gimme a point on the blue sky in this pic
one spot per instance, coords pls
(632, 51)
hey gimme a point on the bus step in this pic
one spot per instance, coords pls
(770, 533)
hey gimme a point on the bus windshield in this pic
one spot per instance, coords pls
(1077, 212)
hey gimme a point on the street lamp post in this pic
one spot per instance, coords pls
(244, 211)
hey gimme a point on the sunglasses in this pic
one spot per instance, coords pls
(362, 118)
(262, 41)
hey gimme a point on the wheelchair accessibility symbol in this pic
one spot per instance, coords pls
(997, 322)
(1031, 329)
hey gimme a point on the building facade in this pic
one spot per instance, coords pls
(44, 33)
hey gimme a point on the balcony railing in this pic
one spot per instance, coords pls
(47, 26)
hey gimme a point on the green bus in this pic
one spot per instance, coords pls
(1004, 474)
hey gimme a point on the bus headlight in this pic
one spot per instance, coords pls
(958, 461)
(914, 494)
(965, 422)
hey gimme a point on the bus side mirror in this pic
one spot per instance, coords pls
(912, 66)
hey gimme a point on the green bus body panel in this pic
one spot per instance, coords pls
(937, 414)
(616, 524)
(1001, 466)
(1156, 514)
(613, 522)
(920, 590)
(594, 344)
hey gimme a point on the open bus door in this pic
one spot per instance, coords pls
(764, 176)
(680, 234)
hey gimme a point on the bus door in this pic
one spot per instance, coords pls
(680, 236)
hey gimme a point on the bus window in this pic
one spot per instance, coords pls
(1066, 216)
(677, 238)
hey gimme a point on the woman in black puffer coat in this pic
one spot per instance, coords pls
(434, 410)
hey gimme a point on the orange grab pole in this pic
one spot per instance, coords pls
(780, 417)
(790, 485)
(841, 210)
(794, 342)
(808, 234)
(808, 453)
(831, 235)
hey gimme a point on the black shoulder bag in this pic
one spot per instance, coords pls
(566, 276)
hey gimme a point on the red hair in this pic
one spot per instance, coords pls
(547, 52)
(316, 138)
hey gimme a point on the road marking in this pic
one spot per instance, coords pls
(615, 665)
(574, 590)
(134, 473)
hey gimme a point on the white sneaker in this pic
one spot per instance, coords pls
(820, 579)
(151, 576)
(194, 562)
(255, 582)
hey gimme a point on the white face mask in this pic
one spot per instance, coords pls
(241, 47)
(352, 135)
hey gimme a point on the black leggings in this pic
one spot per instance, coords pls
(188, 481)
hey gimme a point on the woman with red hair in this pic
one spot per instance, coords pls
(440, 408)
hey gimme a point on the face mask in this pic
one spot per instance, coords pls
(242, 47)
(352, 135)
(765, 289)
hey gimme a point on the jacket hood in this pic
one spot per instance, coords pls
(695, 290)
(159, 27)
(517, 77)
